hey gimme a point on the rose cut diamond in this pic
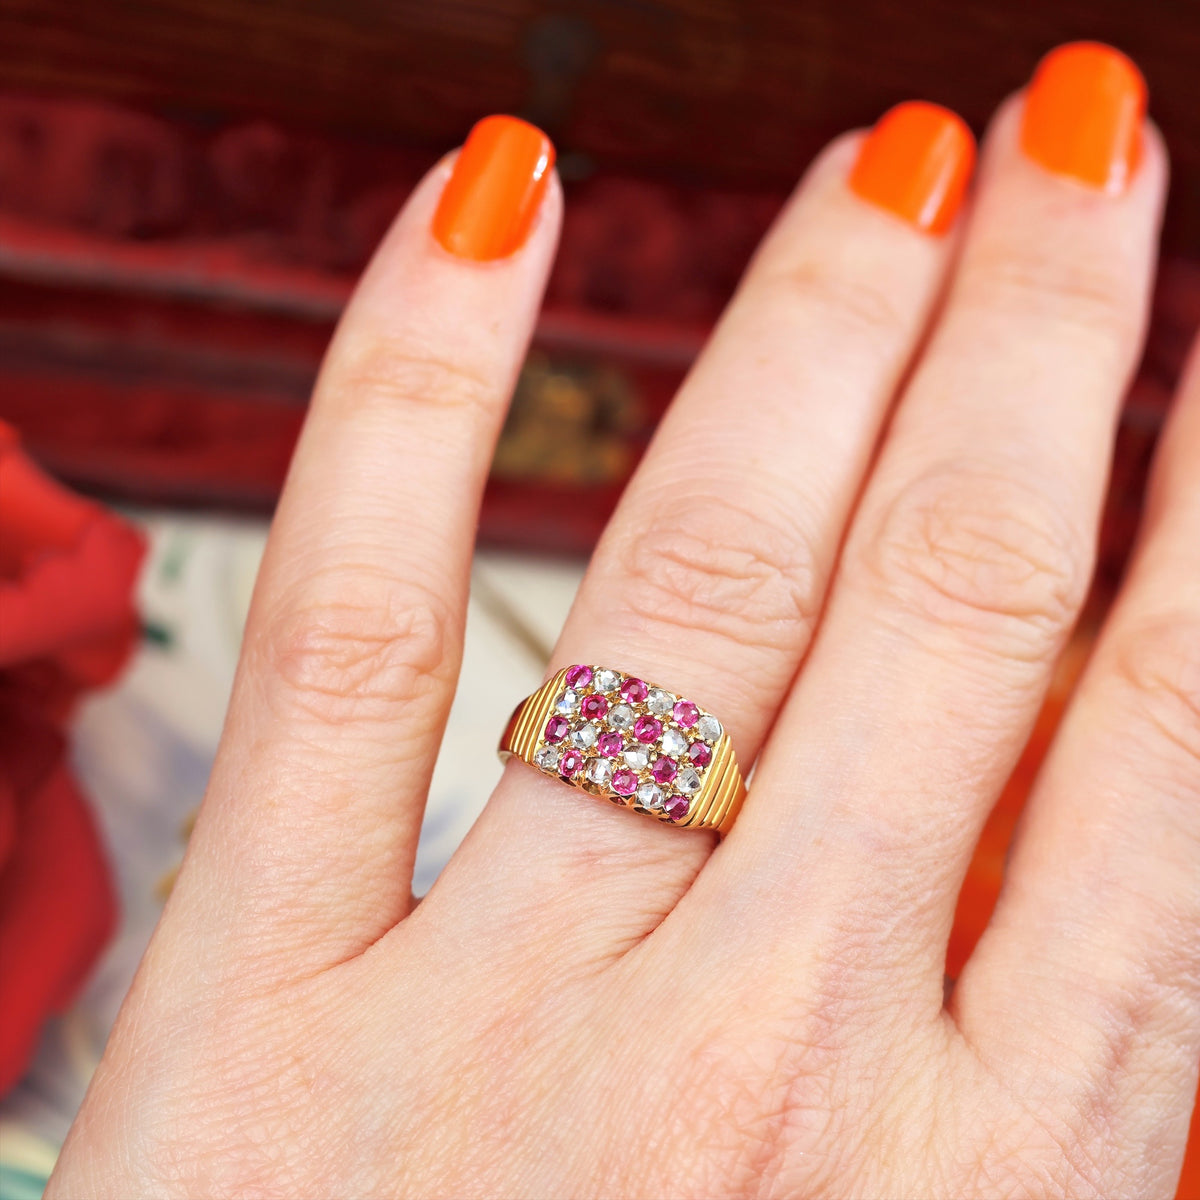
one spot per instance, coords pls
(659, 702)
(688, 780)
(709, 728)
(606, 680)
(650, 795)
(674, 743)
(547, 758)
(637, 757)
(620, 717)
(585, 737)
(599, 769)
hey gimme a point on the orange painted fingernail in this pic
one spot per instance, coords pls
(916, 163)
(1083, 115)
(493, 194)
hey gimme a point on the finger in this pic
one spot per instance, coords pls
(309, 829)
(711, 575)
(967, 564)
(1088, 978)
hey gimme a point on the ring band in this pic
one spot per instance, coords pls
(631, 742)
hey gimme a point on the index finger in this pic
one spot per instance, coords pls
(353, 644)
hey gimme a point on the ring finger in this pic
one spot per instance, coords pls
(971, 551)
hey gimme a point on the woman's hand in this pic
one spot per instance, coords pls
(861, 537)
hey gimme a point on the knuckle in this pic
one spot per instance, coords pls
(984, 554)
(1159, 664)
(1081, 291)
(867, 311)
(710, 566)
(364, 655)
(385, 375)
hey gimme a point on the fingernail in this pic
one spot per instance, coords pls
(1083, 115)
(492, 197)
(916, 163)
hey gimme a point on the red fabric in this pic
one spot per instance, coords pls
(67, 571)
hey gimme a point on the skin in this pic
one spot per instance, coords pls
(861, 536)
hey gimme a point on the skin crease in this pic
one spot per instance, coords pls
(590, 1004)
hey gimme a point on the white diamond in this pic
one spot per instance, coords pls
(674, 743)
(546, 758)
(606, 680)
(649, 795)
(585, 736)
(659, 702)
(709, 728)
(688, 781)
(621, 716)
(568, 702)
(637, 758)
(599, 769)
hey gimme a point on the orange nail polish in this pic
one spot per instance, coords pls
(1083, 115)
(916, 163)
(492, 196)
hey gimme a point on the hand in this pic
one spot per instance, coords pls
(590, 1003)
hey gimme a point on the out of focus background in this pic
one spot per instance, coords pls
(188, 190)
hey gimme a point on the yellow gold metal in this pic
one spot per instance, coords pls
(714, 806)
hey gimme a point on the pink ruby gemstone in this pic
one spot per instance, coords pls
(610, 744)
(579, 676)
(700, 754)
(663, 770)
(647, 729)
(686, 713)
(594, 707)
(556, 729)
(570, 764)
(634, 691)
(676, 807)
(624, 782)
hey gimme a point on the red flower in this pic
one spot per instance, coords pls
(67, 570)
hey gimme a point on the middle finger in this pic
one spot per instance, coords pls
(711, 575)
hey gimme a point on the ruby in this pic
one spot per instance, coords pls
(686, 713)
(663, 770)
(579, 676)
(610, 744)
(556, 729)
(700, 754)
(647, 729)
(677, 807)
(594, 707)
(634, 691)
(624, 782)
(570, 763)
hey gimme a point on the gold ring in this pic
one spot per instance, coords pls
(631, 742)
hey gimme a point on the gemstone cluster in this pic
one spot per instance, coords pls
(628, 740)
